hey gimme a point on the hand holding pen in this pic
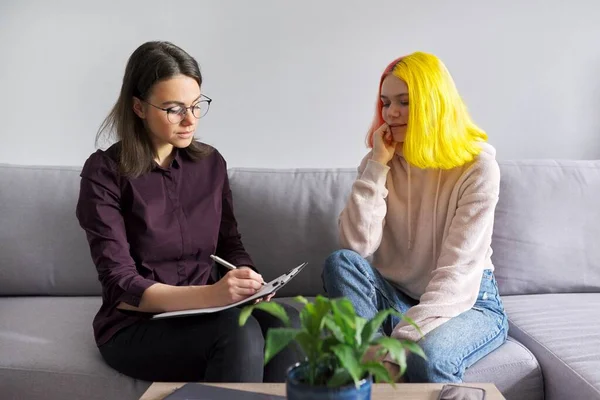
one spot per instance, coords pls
(239, 283)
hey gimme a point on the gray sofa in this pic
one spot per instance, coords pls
(546, 252)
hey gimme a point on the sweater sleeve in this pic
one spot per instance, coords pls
(362, 220)
(454, 286)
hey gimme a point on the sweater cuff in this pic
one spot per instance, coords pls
(375, 172)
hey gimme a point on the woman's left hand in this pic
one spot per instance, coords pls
(268, 298)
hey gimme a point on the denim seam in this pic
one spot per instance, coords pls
(479, 346)
(391, 303)
(484, 371)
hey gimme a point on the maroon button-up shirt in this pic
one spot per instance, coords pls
(159, 227)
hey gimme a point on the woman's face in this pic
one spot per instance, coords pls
(394, 96)
(173, 94)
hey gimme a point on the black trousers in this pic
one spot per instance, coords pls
(209, 347)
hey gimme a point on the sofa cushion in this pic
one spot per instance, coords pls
(547, 227)
(563, 332)
(287, 217)
(547, 217)
(43, 251)
(48, 350)
(511, 367)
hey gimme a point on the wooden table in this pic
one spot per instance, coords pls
(381, 391)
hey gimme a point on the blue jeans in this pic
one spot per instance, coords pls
(452, 347)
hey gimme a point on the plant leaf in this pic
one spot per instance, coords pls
(379, 372)
(275, 309)
(340, 377)
(348, 360)
(360, 323)
(412, 323)
(307, 315)
(401, 362)
(396, 351)
(344, 308)
(307, 343)
(334, 328)
(413, 348)
(327, 344)
(373, 325)
(277, 340)
(322, 308)
(344, 315)
(245, 314)
(301, 299)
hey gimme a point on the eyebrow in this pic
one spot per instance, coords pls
(396, 96)
(164, 103)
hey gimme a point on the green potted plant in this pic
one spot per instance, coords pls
(335, 341)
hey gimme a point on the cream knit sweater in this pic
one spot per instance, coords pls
(429, 232)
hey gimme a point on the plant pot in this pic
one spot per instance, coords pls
(297, 389)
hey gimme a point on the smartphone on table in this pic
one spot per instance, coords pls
(459, 392)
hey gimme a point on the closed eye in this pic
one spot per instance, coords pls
(175, 110)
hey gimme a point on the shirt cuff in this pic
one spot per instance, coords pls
(133, 295)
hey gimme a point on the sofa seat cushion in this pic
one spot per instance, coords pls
(48, 350)
(563, 332)
(511, 367)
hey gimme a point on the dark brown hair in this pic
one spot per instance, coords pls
(150, 63)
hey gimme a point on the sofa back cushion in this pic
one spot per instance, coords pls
(547, 227)
(43, 251)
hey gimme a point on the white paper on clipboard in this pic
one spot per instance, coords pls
(269, 288)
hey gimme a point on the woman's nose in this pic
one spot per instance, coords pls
(189, 118)
(394, 111)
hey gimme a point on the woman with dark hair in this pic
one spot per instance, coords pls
(155, 206)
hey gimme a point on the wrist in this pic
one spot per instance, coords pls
(208, 295)
(379, 159)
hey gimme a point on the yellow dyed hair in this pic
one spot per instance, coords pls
(440, 133)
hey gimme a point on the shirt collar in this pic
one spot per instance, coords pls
(175, 163)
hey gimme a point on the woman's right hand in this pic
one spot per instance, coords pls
(237, 285)
(384, 146)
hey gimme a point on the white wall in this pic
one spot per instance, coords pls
(294, 82)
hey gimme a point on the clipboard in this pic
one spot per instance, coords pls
(266, 290)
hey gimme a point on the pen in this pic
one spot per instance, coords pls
(225, 263)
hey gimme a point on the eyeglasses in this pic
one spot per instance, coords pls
(176, 114)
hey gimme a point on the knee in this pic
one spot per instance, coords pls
(338, 261)
(247, 340)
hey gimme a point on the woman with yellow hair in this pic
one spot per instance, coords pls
(422, 212)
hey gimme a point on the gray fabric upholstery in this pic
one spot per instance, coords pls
(48, 352)
(43, 251)
(287, 217)
(42, 360)
(563, 332)
(547, 227)
(513, 369)
(548, 219)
